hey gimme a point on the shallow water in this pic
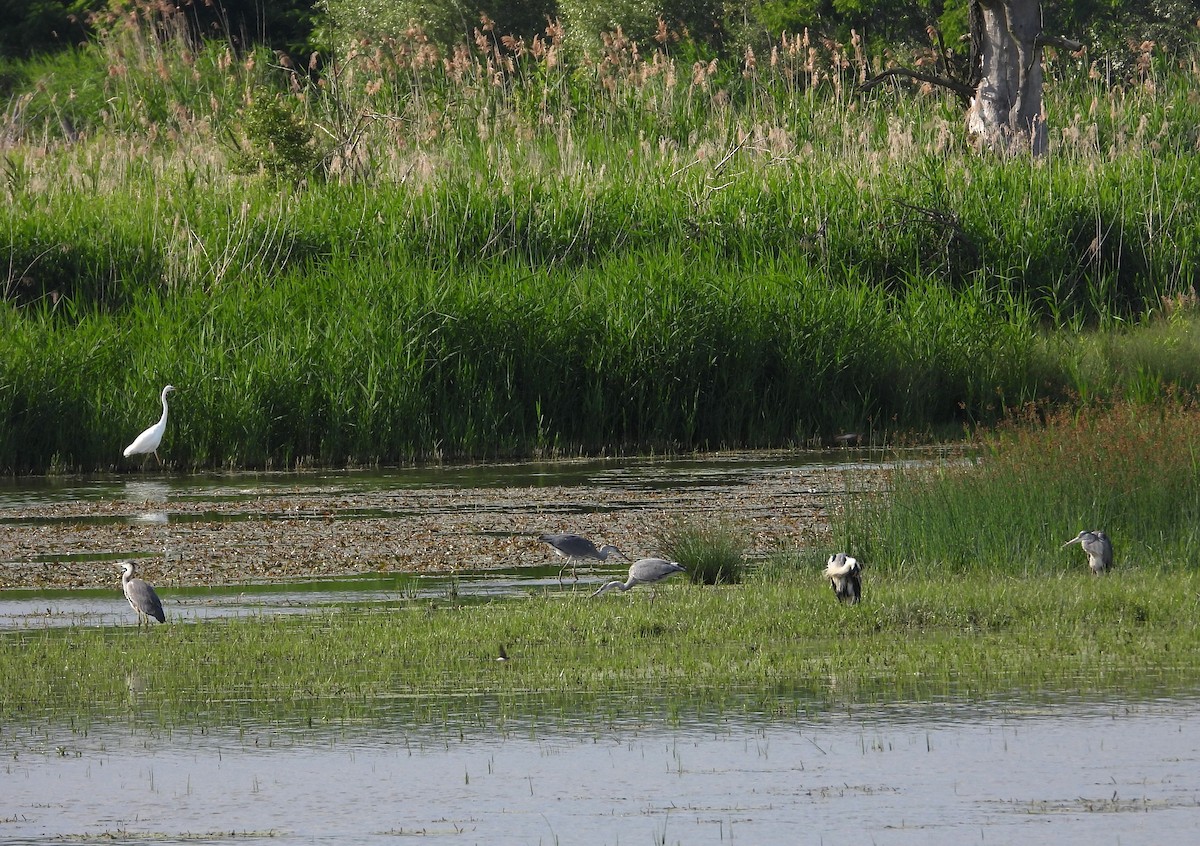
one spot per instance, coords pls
(1030, 769)
(238, 544)
(1065, 773)
(40, 609)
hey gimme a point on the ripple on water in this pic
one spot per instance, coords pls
(1012, 771)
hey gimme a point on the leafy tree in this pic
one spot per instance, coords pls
(443, 21)
(28, 27)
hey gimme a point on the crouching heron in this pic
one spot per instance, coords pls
(572, 547)
(845, 577)
(141, 596)
(1098, 548)
(644, 571)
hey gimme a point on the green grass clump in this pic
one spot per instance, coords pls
(1129, 470)
(713, 554)
(779, 643)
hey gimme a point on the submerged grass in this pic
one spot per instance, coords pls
(778, 640)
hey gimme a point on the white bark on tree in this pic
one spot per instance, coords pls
(1005, 113)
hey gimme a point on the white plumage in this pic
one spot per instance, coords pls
(845, 577)
(147, 442)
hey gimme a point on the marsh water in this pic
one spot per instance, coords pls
(1066, 772)
(1032, 767)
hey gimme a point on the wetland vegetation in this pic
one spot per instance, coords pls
(503, 252)
(776, 641)
(487, 254)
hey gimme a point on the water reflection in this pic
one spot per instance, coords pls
(239, 529)
(1061, 772)
(39, 609)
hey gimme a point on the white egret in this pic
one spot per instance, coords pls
(147, 442)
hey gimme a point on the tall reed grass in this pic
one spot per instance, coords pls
(1128, 470)
(508, 249)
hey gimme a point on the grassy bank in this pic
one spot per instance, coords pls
(1128, 470)
(446, 260)
(778, 641)
(385, 364)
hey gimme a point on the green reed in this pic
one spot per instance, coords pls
(385, 363)
(1128, 470)
(778, 637)
(503, 255)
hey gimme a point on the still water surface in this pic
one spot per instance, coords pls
(1055, 772)
(1032, 769)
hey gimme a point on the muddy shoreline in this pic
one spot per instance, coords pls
(191, 534)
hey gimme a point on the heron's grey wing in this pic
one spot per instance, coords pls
(147, 600)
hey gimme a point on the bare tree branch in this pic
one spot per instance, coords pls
(1059, 41)
(964, 91)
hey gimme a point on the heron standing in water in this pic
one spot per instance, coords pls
(141, 596)
(572, 547)
(1098, 548)
(147, 442)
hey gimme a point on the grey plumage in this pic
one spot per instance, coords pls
(1098, 548)
(845, 577)
(572, 547)
(644, 571)
(141, 596)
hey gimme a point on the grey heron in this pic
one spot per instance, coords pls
(141, 596)
(845, 577)
(147, 442)
(1098, 548)
(576, 546)
(644, 571)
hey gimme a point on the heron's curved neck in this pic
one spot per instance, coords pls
(164, 402)
(615, 586)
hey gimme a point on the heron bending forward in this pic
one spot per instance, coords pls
(572, 547)
(644, 571)
(845, 577)
(141, 596)
(1098, 548)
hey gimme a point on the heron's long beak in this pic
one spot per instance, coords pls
(1071, 541)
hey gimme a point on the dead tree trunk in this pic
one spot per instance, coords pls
(1005, 114)
(1003, 89)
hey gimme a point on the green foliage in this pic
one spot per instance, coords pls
(277, 141)
(1108, 27)
(712, 553)
(31, 27)
(1032, 487)
(782, 644)
(639, 20)
(444, 22)
(642, 253)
